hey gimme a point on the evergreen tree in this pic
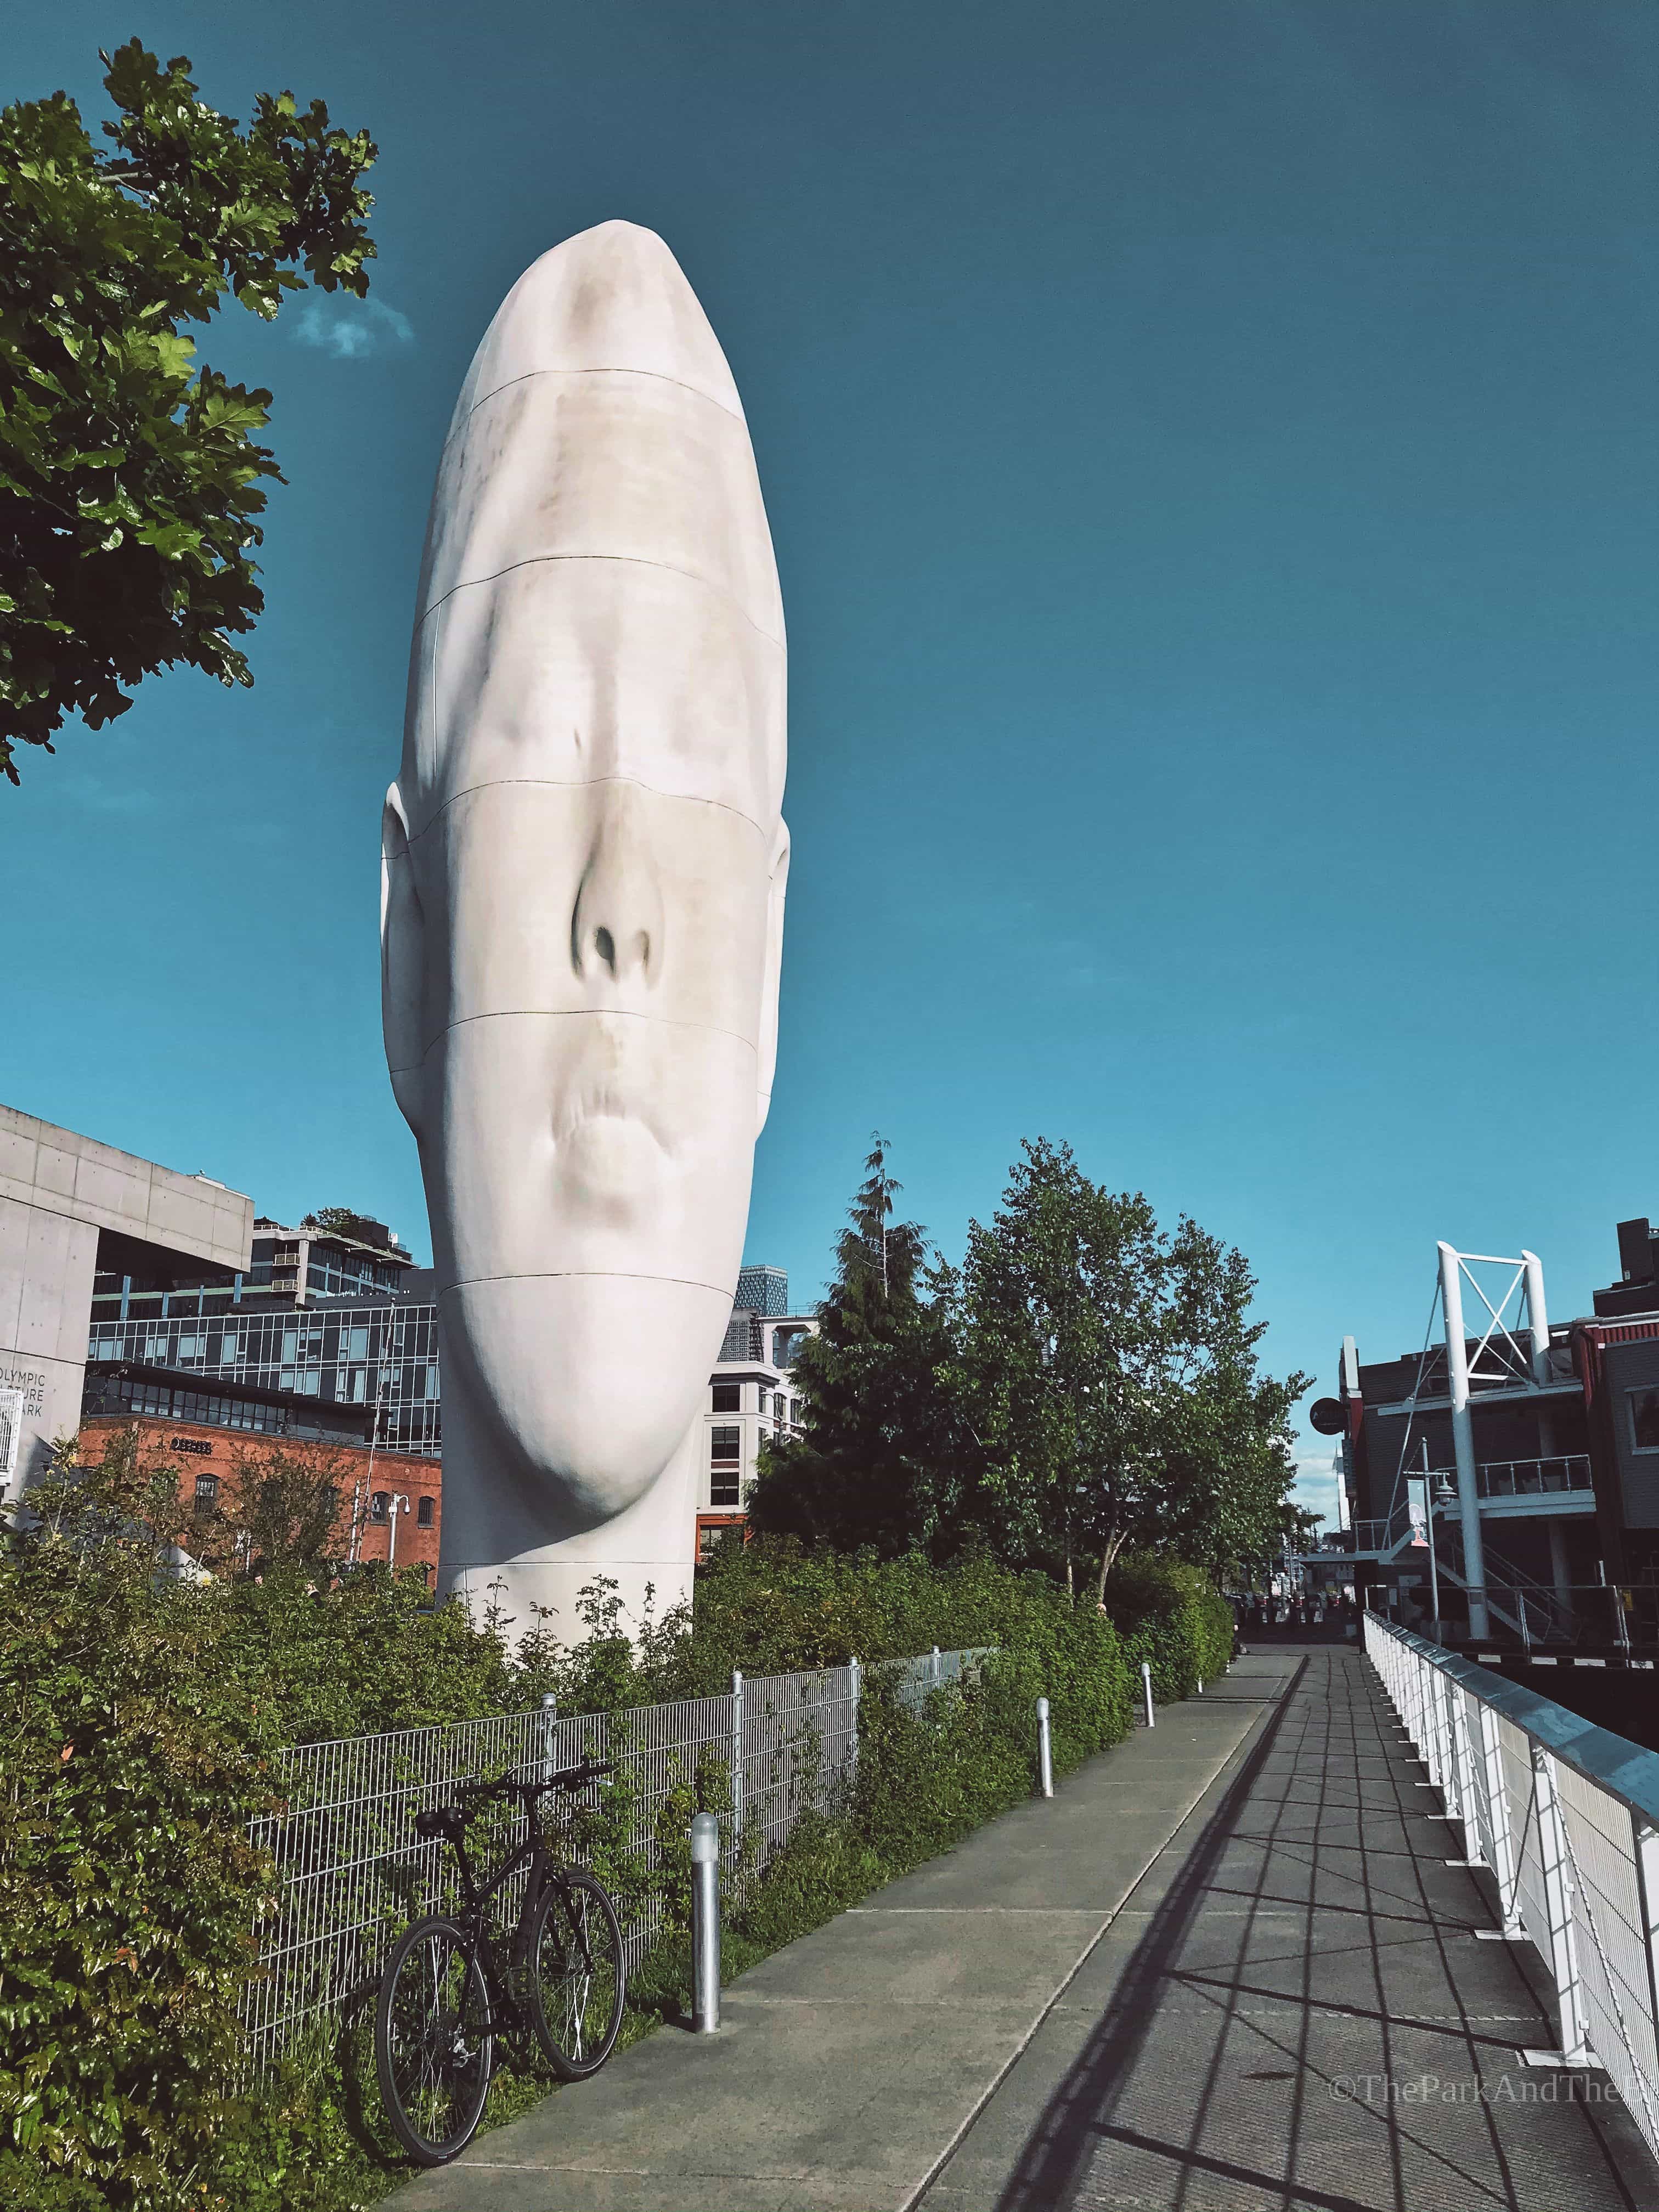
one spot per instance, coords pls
(876, 1426)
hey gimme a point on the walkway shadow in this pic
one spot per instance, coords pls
(1251, 1976)
(1071, 2127)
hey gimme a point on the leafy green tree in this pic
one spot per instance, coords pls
(130, 479)
(344, 1221)
(1109, 1372)
(286, 1504)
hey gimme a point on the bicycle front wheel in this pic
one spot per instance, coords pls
(577, 1978)
(434, 2043)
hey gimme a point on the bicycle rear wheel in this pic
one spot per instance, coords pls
(434, 2043)
(577, 1979)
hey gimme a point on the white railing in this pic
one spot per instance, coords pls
(351, 1871)
(1565, 1817)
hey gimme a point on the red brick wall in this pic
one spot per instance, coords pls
(198, 1450)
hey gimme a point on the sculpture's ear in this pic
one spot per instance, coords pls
(771, 976)
(403, 960)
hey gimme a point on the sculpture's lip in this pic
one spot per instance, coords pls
(595, 1105)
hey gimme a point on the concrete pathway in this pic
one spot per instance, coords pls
(847, 2065)
(1292, 2011)
(1221, 1969)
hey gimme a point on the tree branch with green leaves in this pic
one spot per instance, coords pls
(131, 480)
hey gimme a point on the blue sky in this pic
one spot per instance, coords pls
(1211, 456)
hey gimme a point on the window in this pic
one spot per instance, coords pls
(207, 1491)
(1644, 1419)
(423, 1514)
(728, 1397)
(724, 1453)
(795, 1411)
(380, 1506)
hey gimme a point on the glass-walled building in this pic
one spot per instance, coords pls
(348, 1353)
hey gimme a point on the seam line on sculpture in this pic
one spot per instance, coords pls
(655, 375)
(629, 560)
(581, 1274)
(570, 1013)
(584, 783)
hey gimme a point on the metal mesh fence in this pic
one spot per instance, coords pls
(351, 1871)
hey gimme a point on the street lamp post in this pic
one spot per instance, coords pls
(397, 1503)
(1434, 1494)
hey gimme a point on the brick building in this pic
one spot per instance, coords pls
(390, 1503)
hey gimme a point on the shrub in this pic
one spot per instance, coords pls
(143, 1714)
(1171, 1615)
(128, 1894)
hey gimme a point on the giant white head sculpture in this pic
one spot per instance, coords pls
(582, 889)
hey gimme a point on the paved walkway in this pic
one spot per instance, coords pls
(1186, 1982)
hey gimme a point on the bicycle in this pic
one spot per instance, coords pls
(450, 1987)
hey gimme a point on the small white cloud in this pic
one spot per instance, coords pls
(348, 328)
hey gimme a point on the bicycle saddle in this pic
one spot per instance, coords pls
(440, 1824)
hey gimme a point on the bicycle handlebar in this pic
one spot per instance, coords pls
(567, 1778)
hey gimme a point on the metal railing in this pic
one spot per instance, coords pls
(1532, 1478)
(1565, 1818)
(351, 1871)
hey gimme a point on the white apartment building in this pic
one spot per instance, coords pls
(749, 1397)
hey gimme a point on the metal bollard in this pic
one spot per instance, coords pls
(1045, 1761)
(705, 1924)
(1146, 1690)
(1200, 1685)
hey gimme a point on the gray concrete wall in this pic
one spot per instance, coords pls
(57, 1191)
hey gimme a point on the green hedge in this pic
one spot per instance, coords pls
(142, 1718)
(1171, 1615)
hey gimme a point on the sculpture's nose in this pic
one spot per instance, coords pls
(616, 923)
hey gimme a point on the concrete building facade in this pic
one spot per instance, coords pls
(71, 1207)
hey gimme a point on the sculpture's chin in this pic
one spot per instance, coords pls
(587, 1383)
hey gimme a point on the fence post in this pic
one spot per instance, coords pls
(550, 1716)
(1467, 1781)
(1146, 1691)
(854, 1672)
(1450, 1779)
(1045, 1760)
(1557, 1868)
(937, 1677)
(737, 1759)
(1645, 1849)
(1504, 1866)
(705, 1924)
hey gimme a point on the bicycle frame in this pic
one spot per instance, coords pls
(477, 1896)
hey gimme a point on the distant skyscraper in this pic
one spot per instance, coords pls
(763, 1291)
